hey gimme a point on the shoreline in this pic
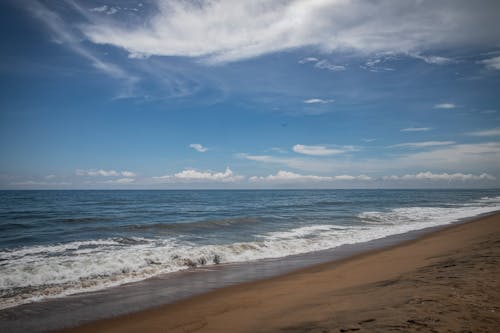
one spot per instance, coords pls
(306, 299)
(80, 310)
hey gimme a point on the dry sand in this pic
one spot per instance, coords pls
(447, 281)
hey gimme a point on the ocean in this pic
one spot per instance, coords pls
(58, 243)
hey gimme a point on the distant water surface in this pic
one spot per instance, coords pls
(56, 243)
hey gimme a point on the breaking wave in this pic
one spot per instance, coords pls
(43, 271)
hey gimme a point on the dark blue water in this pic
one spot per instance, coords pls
(55, 243)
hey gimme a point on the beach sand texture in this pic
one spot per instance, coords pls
(446, 281)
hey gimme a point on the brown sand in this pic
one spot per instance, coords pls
(447, 281)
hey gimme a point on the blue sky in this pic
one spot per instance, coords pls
(260, 94)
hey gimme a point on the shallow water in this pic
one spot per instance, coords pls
(58, 243)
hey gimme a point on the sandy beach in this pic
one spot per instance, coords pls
(446, 281)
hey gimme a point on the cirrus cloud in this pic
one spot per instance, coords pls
(473, 157)
(492, 63)
(318, 101)
(415, 129)
(288, 176)
(118, 181)
(422, 144)
(442, 176)
(320, 150)
(445, 106)
(488, 132)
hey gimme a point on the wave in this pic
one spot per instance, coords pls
(205, 224)
(312, 204)
(43, 271)
(435, 215)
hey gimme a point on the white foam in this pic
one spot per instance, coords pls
(58, 248)
(33, 273)
(424, 215)
(489, 200)
(298, 232)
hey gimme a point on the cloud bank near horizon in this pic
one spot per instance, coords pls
(280, 178)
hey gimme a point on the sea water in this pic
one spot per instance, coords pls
(58, 243)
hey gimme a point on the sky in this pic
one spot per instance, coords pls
(228, 94)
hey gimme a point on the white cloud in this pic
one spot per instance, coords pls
(492, 63)
(40, 183)
(94, 172)
(471, 157)
(103, 173)
(63, 33)
(105, 9)
(227, 30)
(415, 129)
(50, 176)
(454, 157)
(195, 175)
(325, 64)
(112, 10)
(348, 177)
(260, 158)
(125, 180)
(288, 176)
(99, 9)
(488, 132)
(445, 106)
(278, 150)
(308, 59)
(118, 181)
(423, 144)
(318, 101)
(128, 174)
(198, 147)
(319, 150)
(441, 176)
(435, 60)
(378, 64)
(285, 176)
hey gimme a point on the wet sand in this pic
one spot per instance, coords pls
(446, 281)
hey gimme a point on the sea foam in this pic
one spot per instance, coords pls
(43, 271)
